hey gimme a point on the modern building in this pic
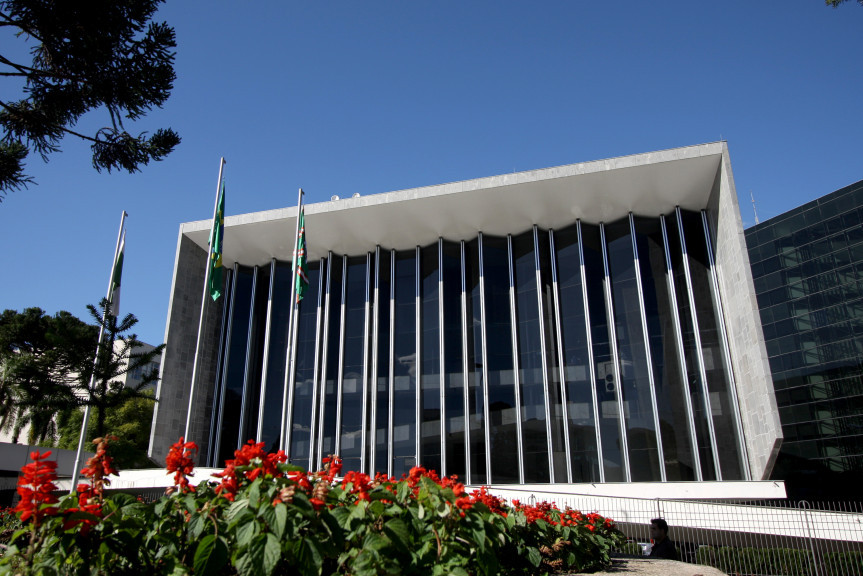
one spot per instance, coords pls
(133, 378)
(594, 322)
(807, 266)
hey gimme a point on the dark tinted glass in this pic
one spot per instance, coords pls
(531, 374)
(332, 345)
(353, 364)
(308, 322)
(503, 417)
(634, 385)
(240, 317)
(580, 391)
(430, 389)
(404, 364)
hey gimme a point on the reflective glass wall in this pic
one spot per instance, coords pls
(592, 353)
(807, 266)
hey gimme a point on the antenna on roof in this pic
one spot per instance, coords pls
(753, 206)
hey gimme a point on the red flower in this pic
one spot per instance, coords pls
(358, 483)
(36, 487)
(181, 462)
(87, 502)
(100, 466)
(250, 462)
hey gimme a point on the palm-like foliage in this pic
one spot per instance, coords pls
(121, 353)
(47, 367)
(43, 359)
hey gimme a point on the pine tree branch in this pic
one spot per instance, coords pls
(9, 21)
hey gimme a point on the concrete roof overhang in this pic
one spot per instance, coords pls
(600, 191)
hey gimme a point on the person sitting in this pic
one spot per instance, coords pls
(663, 547)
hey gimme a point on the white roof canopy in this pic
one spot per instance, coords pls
(601, 191)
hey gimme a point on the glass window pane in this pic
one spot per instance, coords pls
(329, 395)
(404, 364)
(241, 307)
(576, 358)
(454, 380)
(256, 355)
(304, 373)
(353, 365)
(530, 368)
(476, 406)
(382, 387)
(690, 353)
(430, 449)
(670, 385)
(634, 385)
(275, 382)
(503, 417)
(718, 384)
(606, 388)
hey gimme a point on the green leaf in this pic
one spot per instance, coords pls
(245, 532)
(190, 503)
(333, 527)
(280, 520)
(252, 561)
(255, 493)
(534, 556)
(421, 513)
(211, 555)
(236, 508)
(272, 554)
(479, 539)
(398, 532)
(196, 527)
(342, 515)
(310, 559)
(122, 499)
(267, 512)
(375, 541)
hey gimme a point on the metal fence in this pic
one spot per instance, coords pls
(767, 538)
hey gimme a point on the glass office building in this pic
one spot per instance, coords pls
(565, 325)
(807, 266)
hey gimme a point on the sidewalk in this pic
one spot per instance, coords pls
(647, 567)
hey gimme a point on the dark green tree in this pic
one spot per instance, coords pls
(130, 423)
(836, 3)
(47, 365)
(42, 360)
(85, 56)
(120, 353)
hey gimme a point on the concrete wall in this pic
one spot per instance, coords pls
(759, 414)
(181, 332)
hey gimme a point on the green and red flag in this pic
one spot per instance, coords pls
(216, 236)
(302, 281)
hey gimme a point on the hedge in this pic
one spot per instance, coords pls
(262, 515)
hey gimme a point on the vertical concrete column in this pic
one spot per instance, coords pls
(172, 393)
(755, 393)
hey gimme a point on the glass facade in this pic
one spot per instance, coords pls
(591, 353)
(807, 265)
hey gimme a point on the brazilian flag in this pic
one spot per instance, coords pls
(216, 236)
(302, 279)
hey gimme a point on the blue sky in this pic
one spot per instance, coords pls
(369, 97)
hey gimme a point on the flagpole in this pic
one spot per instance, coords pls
(203, 307)
(82, 438)
(288, 363)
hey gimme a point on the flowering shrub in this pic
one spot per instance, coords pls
(263, 515)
